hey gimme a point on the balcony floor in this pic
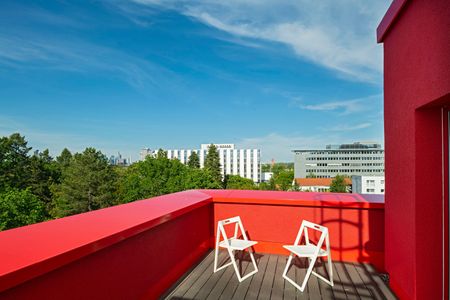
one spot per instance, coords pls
(351, 281)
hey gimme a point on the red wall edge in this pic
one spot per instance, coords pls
(141, 267)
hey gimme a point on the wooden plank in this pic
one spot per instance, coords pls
(313, 288)
(194, 274)
(278, 281)
(381, 286)
(326, 290)
(267, 284)
(208, 276)
(222, 283)
(254, 287)
(346, 281)
(338, 288)
(300, 273)
(359, 285)
(368, 281)
(234, 283)
(289, 289)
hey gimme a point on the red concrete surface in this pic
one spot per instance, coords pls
(138, 250)
(30, 251)
(355, 222)
(417, 91)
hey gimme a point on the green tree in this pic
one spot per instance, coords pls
(237, 182)
(283, 180)
(44, 172)
(153, 177)
(19, 208)
(212, 163)
(201, 179)
(194, 160)
(14, 162)
(88, 183)
(161, 154)
(64, 158)
(338, 184)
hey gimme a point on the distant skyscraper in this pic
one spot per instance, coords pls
(243, 162)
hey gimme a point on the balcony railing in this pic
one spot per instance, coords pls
(139, 250)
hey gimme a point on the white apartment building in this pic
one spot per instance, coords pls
(243, 162)
(368, 184)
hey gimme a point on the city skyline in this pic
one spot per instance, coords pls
(124, 75)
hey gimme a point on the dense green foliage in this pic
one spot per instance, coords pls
(338, 185)
(19, 208)
(194, 161)
(212, 163)
(87, 183)
(236, 182)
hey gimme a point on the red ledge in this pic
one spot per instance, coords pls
(29, 251)
(389, 18)
(339, 200)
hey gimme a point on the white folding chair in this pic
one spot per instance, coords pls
(232, 244)
(311, 251)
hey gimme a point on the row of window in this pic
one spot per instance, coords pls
(347, 158)
(352, 164)
(342, 152)
(344, 171)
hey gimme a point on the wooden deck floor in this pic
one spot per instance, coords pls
(351, 281)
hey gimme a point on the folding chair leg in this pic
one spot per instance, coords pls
(305, 280)
(330, 273)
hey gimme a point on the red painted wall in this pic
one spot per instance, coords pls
(138, 250)
(356, 225)
(141, 267)
(416, 87)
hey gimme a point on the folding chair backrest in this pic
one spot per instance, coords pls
(237, 225)
(304, 230)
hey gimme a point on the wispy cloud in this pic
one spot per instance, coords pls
(344, 107)
(37, 51)
(346, 127)
(338, 35)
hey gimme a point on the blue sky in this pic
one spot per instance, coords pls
(123, 75)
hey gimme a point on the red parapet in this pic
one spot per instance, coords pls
(138, 250)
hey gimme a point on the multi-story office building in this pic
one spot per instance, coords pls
(243, 162)
(347, 159)
(368, 184)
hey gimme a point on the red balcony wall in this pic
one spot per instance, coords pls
(172, 234)
(416, 37)
(356, 225)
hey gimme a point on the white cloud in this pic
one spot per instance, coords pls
(344, 127)
(339, 35)
(345, 107)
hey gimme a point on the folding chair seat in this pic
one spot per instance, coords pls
(232, 244)
(311, 251)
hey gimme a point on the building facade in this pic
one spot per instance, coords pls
(318, 184)
(243, 162)
(368, 184)
(365, 159)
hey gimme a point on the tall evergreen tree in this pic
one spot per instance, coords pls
(44, 172)
(212, 163)
(88, 183)
(64, 158)
(14, 162)
(194, 160)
